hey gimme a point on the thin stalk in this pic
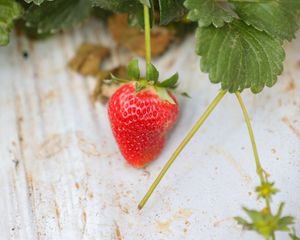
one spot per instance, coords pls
(147, 34)
(185, 141)
(259, 169)
(273, 236)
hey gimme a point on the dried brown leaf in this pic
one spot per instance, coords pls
(104, 90)
(132, 38)
(88, 58)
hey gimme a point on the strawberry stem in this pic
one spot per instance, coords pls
(147, 34)
(185, 141)
(259, 170)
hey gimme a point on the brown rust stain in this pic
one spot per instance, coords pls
(124, 209)
(181, 214)
(146, 173)
(118, 235)
(53, 146)
(20, 132)
(90, 195)
(291, 86)
(234, 163)
(291, 126)
(297, 64)
(50, 95)
(83, 217)
(77, 185)
(218, 223)
(170, 63)
(163, 226)
(57, 214)
(86, 146)
(29, 183)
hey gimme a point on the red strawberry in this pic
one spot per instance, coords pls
(140, 122)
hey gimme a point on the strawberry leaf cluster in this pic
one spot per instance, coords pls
(240, 42)
(266, 224)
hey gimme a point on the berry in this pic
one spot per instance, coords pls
(140, 122)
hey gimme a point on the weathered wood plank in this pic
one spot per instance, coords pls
(62, 176)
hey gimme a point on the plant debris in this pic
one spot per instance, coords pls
(88, 58)
(105, 89)
(133, 38)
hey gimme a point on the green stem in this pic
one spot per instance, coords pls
(260, 171)
(259, 168)
(196, 127)
(273, 236)
(147, 34)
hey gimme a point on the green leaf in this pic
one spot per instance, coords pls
(170, 82)
(284, 222)
(57, 15)
(37, 2)
(293, 235)
(171, 10)
(239, 56)
(244, 223)
(118, 80)
(164, 94)
(278, 17)
(185, 94)
(133, 7)
(117, 5)
(208, 12)
(9, 11)
(133, 70)
(151, 73)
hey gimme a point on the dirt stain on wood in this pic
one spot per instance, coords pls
(50, 95)
(53, 146)
(163, 226)
(57, 214)
(291, 86)
(83, 218)
(291, 126)
(118, 235)
(234, 163)
(86, 146)
(218, 223)
(181, 214)
(297, 64)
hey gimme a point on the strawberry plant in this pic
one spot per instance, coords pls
(240, 45)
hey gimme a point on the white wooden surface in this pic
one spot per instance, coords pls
(62, 177)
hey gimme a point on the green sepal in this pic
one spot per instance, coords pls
(151, 73)
(293, 235)
(133, 70)
(118, 80)
(163, 93)
(140, 85)
(171, 82)
(185, 94)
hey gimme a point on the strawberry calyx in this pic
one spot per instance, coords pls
(150, 80)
